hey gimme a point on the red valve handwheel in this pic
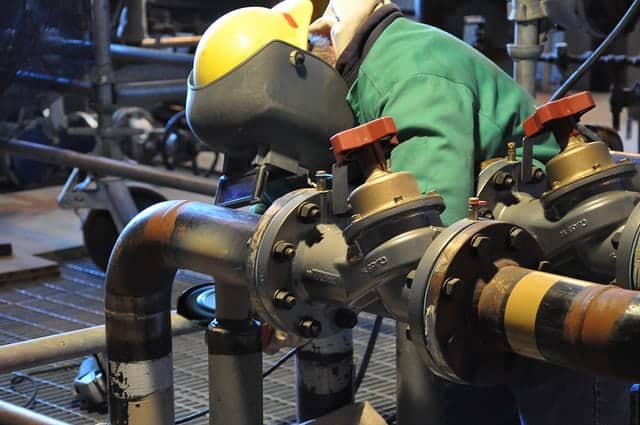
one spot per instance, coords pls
(382, 129)
(567, 107)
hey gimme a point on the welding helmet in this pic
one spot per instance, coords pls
(238, 35)
(255, 92)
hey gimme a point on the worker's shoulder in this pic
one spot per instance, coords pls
(407, 48)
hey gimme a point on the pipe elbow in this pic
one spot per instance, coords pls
(138, 266)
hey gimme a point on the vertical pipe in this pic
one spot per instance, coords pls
(103, 71)
(417, 393)
(235, 361)
(524, 67)
(133, 22)
(324, 375)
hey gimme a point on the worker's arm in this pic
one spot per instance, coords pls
(438, 130)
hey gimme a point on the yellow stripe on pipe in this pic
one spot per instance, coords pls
(521, 311)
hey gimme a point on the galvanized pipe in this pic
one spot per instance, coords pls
(67, 345)
(10, 414)
(567, 322)
(108, 167)
(158, 241)
(235, 360)
(324, 375)
(524, 66)
(151, 92)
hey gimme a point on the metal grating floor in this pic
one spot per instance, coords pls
(75, 300)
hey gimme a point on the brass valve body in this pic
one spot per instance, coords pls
(578, 161)
(383, 190)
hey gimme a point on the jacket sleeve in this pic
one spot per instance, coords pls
(438, 126)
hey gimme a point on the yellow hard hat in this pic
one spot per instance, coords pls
(238, 35)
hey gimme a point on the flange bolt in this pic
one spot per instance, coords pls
(309, 328)
(284, 299)
(309, 212)
(284, 251)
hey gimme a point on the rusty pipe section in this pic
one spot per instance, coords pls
(564, 321)
(157, 242)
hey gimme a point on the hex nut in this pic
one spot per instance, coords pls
(283, 251)
(409, 278)
(517, 238)
(481, 245)
(538, 175)
(503, 180)
(284, 299)
(309, 212)
(309, 328)
(453, 287)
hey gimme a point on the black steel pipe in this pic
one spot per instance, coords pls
(130, 54)
(109, 167)
(54, 82)
(150, 92)
(133, 22)
(157, 242)
(124, 54)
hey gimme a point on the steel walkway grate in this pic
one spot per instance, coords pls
(75, 300)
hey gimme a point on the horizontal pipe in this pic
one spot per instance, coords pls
(564, 321)
(632, 157)
(171, 41)
(150, 92)
(122, 53)
(68, 345)
(10, 414)
(54, 82)
(108, 167)
(129, 54)
(163, 238)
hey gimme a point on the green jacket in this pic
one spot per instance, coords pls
(454, 108)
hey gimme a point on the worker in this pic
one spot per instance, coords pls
(454, 109)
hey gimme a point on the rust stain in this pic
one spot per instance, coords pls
(160, 226)
(575, 317)
(603, 313)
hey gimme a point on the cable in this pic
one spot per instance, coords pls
(366, 357)
(191, 417)
(282, 360)
(584, 67)
(266, 373)
(21, 377)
